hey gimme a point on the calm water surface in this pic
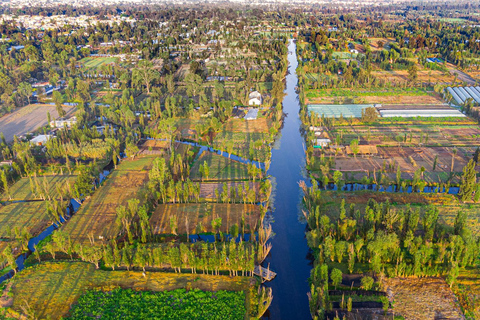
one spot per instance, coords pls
(289, 255)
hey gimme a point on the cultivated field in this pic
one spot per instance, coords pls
(29, 119)
(31, 216)
(97, 214)
(422, 298)
(93, 63)
(372, 96)
(467, 291)
(207, 189)
(199, 216)
(430, 76)
(43, 185)
(220, 168)
(49, 289)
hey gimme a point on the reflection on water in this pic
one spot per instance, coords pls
(290, 257)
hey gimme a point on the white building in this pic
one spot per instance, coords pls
(40, 140)
(254, 98)
(61, 122)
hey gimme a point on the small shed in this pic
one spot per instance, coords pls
(254, 98)
(323, 142)
(252, 114)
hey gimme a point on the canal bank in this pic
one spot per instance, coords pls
(289, 256)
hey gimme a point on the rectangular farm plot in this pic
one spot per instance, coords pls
(207, 189)
(220, 168)
(30, 215)
(337, 110)
(199, 216)
(51, 288)
(22, 189)
(97, 215)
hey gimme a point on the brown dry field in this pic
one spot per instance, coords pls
(422, 298)
(251, 126)
(398, 76)
(97, 214)
(28, 119)
(399, 155)
(399, 99)
(373, 43)
(207, 189)
(193, 214)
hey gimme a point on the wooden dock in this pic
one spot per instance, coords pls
(265, 273)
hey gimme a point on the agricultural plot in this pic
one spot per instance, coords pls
(44, 186)
(220, 168)
(467, 291)
(176, 304)
(439, 147)
(96, 217)
(372, 96)
(207, 189)
(337, 111)
(198, 217)
(422, 298)
(31, 216)
(94, 63)
(50, 289)
(430, 76)
(248, 145)
(403, 156)
(29, 119)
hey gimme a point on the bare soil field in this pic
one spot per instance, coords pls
(28, 119)
(398, 76)
(250, 126)
(400, 99)
(399, 156)
(374, 43)
(422, 298)
(198, 217)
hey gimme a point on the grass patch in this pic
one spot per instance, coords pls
(38, 188)
(220, 168)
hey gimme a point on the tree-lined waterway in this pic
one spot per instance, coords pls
(289, 254)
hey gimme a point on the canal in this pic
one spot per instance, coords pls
(289, 254)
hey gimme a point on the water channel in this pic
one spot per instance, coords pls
(289, 256)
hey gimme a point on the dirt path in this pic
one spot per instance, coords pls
(462, 76)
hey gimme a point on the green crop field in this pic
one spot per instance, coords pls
(31, 216)
(44, 186)
(50, 289)
(220, 168)
(176, 304)
(97, 214)
(94, 63)
(199, 216)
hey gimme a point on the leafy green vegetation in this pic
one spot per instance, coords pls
(177, 304)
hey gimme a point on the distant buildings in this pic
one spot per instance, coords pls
(62, 122)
